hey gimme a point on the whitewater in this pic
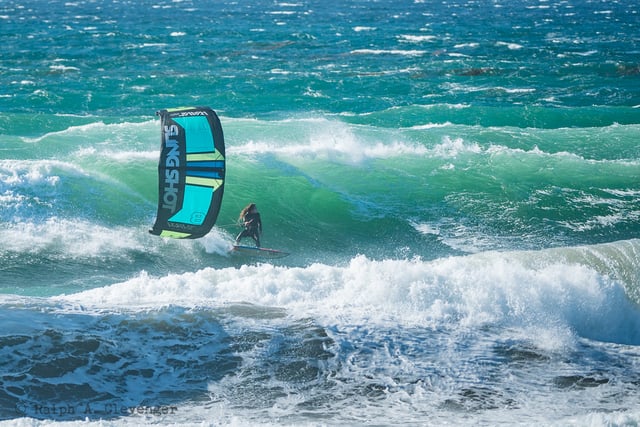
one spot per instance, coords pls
(457, 183)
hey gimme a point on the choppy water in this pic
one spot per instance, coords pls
(458, 184)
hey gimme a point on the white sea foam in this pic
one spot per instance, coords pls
(64, 238)
(416, 38)
(388, 52)
(557, 290)
(431, 126)
(63, 68)
(465, 45)
(510, 45)
(33, 172)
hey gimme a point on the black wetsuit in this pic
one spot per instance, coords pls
(252, 228)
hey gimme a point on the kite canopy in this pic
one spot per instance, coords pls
(191, 172)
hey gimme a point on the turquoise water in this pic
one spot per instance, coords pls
(457, 182)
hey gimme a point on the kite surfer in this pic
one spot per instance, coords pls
(250, 219)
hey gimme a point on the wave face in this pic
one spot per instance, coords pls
(329, 190)
(457, 185)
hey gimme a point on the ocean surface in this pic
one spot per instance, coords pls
(457, 181)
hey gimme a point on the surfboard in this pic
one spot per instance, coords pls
(258, 252)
